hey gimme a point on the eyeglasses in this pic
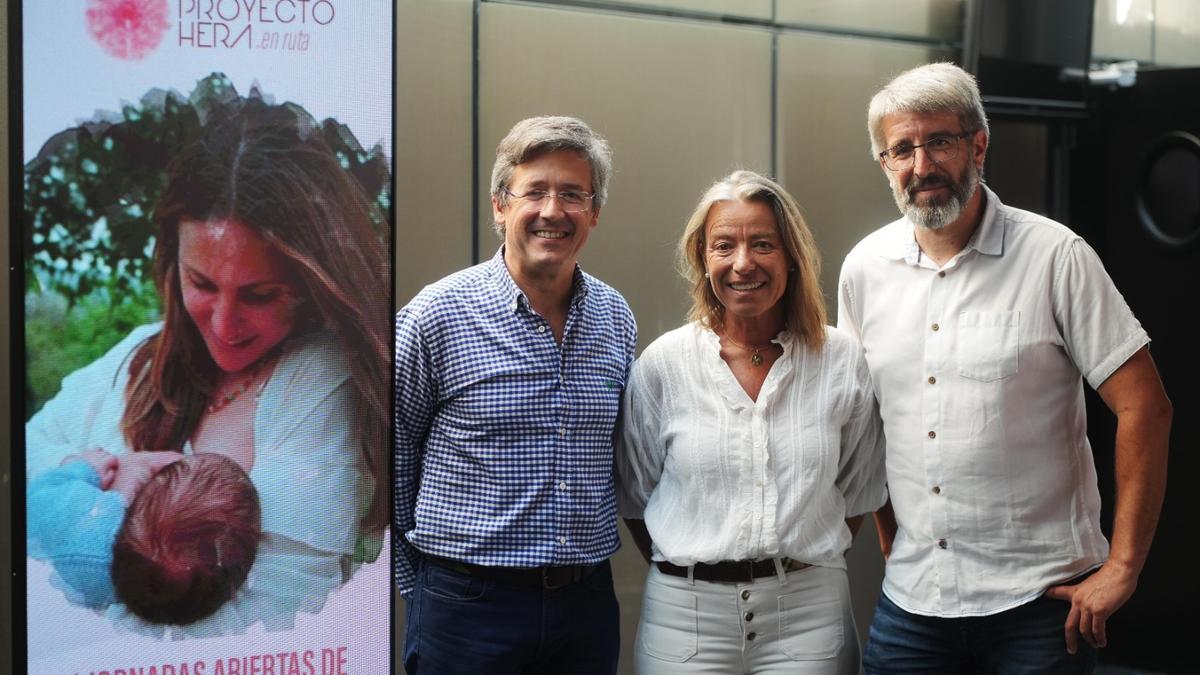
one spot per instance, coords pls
(570, 201)
(938, 149)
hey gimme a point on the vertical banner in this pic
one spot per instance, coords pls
(206, 242)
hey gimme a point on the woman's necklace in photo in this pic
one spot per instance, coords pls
(231, 393)
(756, 357)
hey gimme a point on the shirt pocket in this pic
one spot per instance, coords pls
(987, 344)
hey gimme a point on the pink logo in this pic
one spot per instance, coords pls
(127, 29)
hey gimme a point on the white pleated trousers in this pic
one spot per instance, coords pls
(801, 623)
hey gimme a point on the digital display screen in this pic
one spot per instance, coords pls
(206, 241)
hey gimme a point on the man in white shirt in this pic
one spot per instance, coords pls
(979, 322)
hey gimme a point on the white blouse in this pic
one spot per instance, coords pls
(718, 476)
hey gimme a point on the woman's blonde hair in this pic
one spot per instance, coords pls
(803, 303)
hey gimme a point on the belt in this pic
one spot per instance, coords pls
(549, 577)
(731, 571)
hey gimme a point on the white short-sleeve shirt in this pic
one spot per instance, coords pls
(977, 366)
(718, 476)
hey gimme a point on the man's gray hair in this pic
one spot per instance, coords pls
(537, 136)
(932, 88)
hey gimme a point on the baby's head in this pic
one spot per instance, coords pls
(188, 541)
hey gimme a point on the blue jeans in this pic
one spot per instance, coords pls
(458, 623)
(1025, 639)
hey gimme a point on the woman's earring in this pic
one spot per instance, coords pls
(706, 275)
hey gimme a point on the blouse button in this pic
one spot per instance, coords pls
(751, 635)
(749, 616)
(933, 434)
(935, 327)
(942, 274)
(932, 380)
(941, 543)
(745, 595)
(937, 490)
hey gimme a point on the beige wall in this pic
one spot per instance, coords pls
(433, 141)
(922, 19)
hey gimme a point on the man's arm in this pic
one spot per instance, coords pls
(415, 403)
(641, 536)
(1134, 392)
(885, 527)
(854, 524)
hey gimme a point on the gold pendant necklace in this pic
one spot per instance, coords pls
(756, 357)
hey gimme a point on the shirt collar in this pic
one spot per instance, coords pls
(987, 240)
(512, 295)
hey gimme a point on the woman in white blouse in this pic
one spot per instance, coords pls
(750, 450)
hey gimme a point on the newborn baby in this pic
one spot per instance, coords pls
(171, 536)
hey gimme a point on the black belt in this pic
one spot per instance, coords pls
(730, 571)
(549, 577)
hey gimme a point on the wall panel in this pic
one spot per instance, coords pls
(748, 9)
(433, 141)
(929, 19)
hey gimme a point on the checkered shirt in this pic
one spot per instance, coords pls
(504, 438)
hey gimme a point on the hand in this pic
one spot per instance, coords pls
(135, 469)
(104, 463)
(1093, 600)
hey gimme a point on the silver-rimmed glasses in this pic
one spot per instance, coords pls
(939, 149)
(570, 201)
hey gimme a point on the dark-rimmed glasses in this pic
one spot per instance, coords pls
(939, 149)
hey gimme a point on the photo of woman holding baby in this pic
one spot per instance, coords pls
(273, 351)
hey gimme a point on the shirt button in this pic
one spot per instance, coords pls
(937, 490)
(941, 274)
(563, 431)
(563, 485)
(749, 616)
(541, 329)
(745, 595)
(941, 543)
(563, 540)
(751, 635)
(933, 434)
(932, 380)
(934, 327)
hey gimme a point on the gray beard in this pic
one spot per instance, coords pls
(934, 217)
(937, 216)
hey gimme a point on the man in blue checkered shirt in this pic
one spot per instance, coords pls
(508, 381)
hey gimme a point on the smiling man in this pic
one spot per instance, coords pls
(509, 377)
(979, 323)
